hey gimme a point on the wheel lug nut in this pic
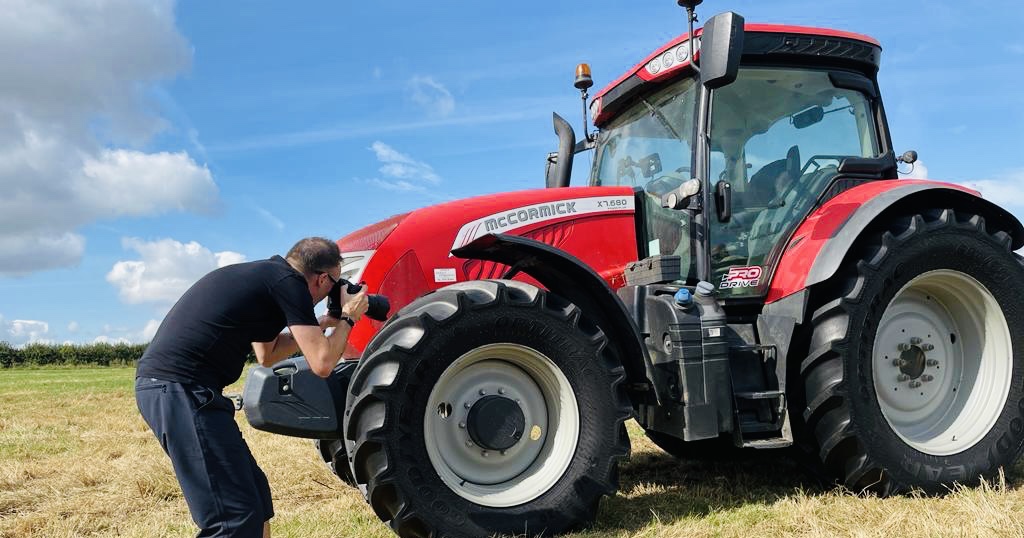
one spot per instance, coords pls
(482, 392)
(899, 362)
(932, 362)
(927, 347)
(503, 452)
(903, 347)
(926, 378)
(467, 405)
(915, 341)
(484, 453)
(469, 444)
(501, 391)
(462, 425)
(914, 384)
(902, 377)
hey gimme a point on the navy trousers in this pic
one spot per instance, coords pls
(226, 492)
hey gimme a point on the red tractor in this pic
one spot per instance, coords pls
(744, 270)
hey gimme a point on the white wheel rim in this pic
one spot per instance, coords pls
(954, 380)
(533, 465)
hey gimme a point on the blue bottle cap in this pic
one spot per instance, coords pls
(683, 296)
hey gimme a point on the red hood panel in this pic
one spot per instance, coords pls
(595, 224)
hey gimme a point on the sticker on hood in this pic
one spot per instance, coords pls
(518, 217)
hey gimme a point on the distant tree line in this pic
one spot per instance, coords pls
(100, 354)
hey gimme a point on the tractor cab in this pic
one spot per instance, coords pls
(727, 168)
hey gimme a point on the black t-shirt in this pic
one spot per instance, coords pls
(206, 336)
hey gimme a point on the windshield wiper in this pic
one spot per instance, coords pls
(661, 119)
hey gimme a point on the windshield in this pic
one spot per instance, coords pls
(648, 146)
(649, 140)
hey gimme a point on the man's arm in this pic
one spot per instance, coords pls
(321, 352)
(284, 346)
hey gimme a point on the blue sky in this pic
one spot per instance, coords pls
(143, 144)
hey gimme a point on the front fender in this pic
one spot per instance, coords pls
(564, 274)
(819, 246)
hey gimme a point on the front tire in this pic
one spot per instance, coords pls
(487, 407)
(915, 377)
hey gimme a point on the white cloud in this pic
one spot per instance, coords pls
(29, 330)
(432, 95)
(33, 250)
(125, 335)
(269, 217)
(132, 183)
(104, 339)
(396, 186)
(919, 171)
(166, 270)
(19, 332)
(397, 165)
(82, 82)
(149, 331)
(1004, 190)
(73, 327)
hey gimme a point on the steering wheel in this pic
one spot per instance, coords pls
(815, 158)
(808, 191)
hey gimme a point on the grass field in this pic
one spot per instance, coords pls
(76, 459)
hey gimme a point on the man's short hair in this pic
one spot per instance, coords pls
(314, 255)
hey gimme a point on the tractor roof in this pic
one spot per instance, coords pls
(783, 39)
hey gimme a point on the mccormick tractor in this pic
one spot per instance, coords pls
(744, 270)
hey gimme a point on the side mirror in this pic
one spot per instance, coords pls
(559, 165)
(721, 45)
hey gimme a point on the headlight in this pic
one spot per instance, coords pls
(353, 264)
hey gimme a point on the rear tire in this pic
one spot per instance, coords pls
(458, 361)
(915, 375)
(333, 453)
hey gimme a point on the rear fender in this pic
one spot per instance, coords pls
(567, 276)
(818, 247)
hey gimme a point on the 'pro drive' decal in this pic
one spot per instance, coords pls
(511, 219)
(741, 277)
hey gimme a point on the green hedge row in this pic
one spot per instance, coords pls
(70, 354)
(76, 354)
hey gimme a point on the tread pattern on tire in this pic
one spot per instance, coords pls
(386, 362)
(827, 416)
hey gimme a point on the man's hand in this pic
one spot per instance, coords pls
(354, 306)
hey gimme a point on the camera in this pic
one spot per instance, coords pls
(378, 304)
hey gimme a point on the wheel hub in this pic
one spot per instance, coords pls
(496, 423)
(942, 368)
(913, 362)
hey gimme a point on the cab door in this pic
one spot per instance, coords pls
(777, 137)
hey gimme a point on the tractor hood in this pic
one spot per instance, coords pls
(409, 255)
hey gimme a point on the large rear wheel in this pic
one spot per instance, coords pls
(487, 407)
(915, 377)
